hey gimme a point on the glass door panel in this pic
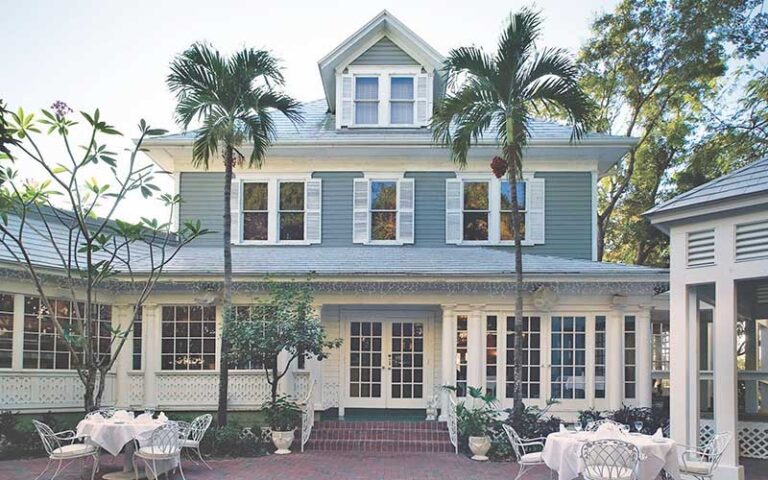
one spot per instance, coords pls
(365, 359)
(407, 360)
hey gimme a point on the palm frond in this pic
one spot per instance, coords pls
(555, 95)
(468, 60)
(548, 62)
(250, 63)
(516, 43)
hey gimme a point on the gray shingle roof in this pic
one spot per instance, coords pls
(337, 261)
(749, 180)
(380, 260)
(319, 126)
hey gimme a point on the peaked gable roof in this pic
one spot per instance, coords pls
(749, 180)
(384, 25)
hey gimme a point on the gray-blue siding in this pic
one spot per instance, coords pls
(568, 209)
(384, 52)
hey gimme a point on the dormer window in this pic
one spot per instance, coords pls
(367, 100)
(384, 96)
(401, 101)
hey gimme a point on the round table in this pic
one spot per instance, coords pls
(112, 435)
(561, 454)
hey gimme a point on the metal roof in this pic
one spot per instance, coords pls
(319, 127)
(339, 261)
(749, 180)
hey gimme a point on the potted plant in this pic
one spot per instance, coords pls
(475, 420)
(283, 416)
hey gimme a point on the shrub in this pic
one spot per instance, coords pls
(231, 441)
(652, 418)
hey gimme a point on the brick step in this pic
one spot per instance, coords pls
(371, 425)
(379, 434)
(379, 446)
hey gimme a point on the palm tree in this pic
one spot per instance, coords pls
(500, 94)
(234, 99)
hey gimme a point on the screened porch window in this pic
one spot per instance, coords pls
(366, 100)
(138, 332)
(6, 330)
(401, 101)
(383, 210)
(188, 338)
(630, 361)
(600, 334)
(569, 357)
(239, 312)
(255, 211)
(476, 211)
(461, 355)
(506, 225)
(491, 354)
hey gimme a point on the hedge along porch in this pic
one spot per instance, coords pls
(403, 340)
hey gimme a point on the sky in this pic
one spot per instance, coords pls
(114, 55)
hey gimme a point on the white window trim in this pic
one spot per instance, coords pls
(494, 215)
(384, 74)
(273, 214)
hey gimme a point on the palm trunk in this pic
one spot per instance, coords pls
(512, 176)
(229, 162)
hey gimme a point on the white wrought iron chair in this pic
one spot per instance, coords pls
(610, 460)
(593, 426)
(61, 447)
(192, 434)
(526, 460)
(162, 444)
(702, 464)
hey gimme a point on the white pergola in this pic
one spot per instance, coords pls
(718, 310)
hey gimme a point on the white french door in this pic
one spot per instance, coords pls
(387, 360)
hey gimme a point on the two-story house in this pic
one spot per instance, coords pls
(413, 257)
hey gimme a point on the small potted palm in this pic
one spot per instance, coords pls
(475, 421)
(283, 417)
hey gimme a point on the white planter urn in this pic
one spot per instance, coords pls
(282, 441)
(479, 447)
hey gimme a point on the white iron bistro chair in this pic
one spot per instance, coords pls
(525, 460)
(193, 434)
(610, 460)
(162, 444)
(702, 464)
(61, 447)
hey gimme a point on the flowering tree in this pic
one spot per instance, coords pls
(94, 253)
(285, 321)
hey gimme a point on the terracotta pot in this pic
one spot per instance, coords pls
(479, 447)
(283, 441)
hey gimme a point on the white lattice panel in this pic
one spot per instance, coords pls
(136, 389)
(753, 437)
(46, 390)
(301, 384)
(330, 395)
(201, 390)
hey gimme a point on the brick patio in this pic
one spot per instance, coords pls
(336, 466)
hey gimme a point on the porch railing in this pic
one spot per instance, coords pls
(453, 424)
(307, 415)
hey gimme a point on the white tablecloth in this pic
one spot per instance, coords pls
(112, 435)
(561, 454)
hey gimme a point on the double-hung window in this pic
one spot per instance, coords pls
(479, 210)
(506, 224)
(401, 100)
(383, 210)
(276, 210)
(291, 210)
(255, 211)
(366, 100)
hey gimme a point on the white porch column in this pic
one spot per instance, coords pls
(17, 359)
(643, 352)
(475, 347)
(447, 357)
(121, 317)
(614, 361)
(151, 329)
(725, 380)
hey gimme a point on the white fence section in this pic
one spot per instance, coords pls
(753, 437)
(200, 390)
(46, 390)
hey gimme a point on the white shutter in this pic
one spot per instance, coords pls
(345, 100)
(423, 99)
(313, 214)
(405, 207)
(453, 214)
(536, 206)
(360, 211)
(234, 206)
